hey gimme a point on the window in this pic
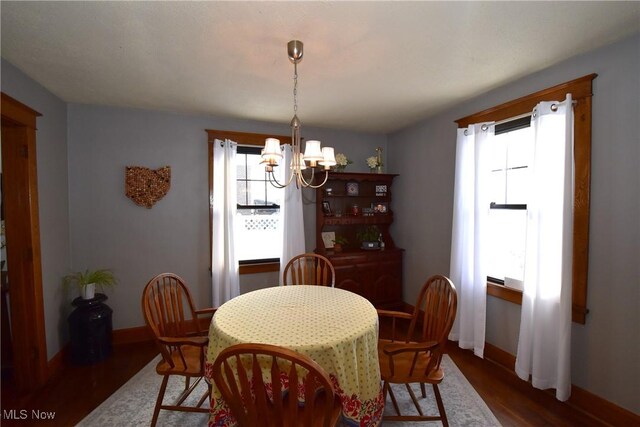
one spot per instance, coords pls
(258, 225)
(581, 90)
(257, 201)
(510, 158)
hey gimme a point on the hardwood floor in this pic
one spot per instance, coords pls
(77, 390)
(513, 401)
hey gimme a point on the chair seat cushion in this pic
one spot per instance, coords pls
(192, 357)
(402, 367)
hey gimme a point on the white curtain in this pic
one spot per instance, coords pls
(292, 220)
(468, 241)
(545, 327)
(224, 278)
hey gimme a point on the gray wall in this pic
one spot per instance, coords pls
(606, 350)
(53, 196)
(86, 190)
(86, 221)
(109, 231)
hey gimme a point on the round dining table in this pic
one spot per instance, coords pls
(336, 328)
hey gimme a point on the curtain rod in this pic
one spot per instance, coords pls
(574, 102)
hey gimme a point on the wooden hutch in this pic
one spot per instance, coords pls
(376, 274)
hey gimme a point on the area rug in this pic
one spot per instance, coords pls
(132, 404)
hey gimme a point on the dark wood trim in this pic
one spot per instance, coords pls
(18, 113)
(515, 296)
(499, 356)
(140, 334)
(19, 168)
(601, 408)
(57, 362)
(582, 399)
(131, 335)
(581, 90)
(245, 138)
(259, 268)
(505, 293)
(242, 138)
(581, 210)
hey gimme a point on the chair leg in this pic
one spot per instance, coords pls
(187, 380)
(424, 392)
(443, 414)
(156, 410)
(393, 399)
(415, 400)
(187, 391)
(204, 397)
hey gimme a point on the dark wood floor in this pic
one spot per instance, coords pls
(76, 391)
(513, 401)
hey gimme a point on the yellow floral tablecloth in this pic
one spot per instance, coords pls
(336, 328)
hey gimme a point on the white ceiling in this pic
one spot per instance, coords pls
(368, 66)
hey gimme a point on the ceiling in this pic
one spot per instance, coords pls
(367, 66)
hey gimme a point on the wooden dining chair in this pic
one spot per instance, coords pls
(416, 357)
(181, 337)
(309, 269)
(303, 395)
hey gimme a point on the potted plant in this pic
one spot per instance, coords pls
(369, 237)
(338, 242)
(86, 281)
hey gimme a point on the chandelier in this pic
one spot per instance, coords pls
(314, 157)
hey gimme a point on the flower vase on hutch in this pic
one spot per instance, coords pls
(375, 162)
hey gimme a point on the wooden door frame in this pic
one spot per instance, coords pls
(19, 170)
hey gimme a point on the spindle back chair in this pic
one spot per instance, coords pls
(416, 357)
(169, 312)
(303, 395)
(309, 269)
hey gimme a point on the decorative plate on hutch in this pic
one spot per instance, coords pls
(352, 188)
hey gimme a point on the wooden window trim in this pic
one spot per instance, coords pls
(581, 91)
(259, 268)
(505, 293)
(242, 138)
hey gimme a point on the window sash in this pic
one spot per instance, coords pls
(258, 222)
(506, 248)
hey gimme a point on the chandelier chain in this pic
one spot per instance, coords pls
(295, 88)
